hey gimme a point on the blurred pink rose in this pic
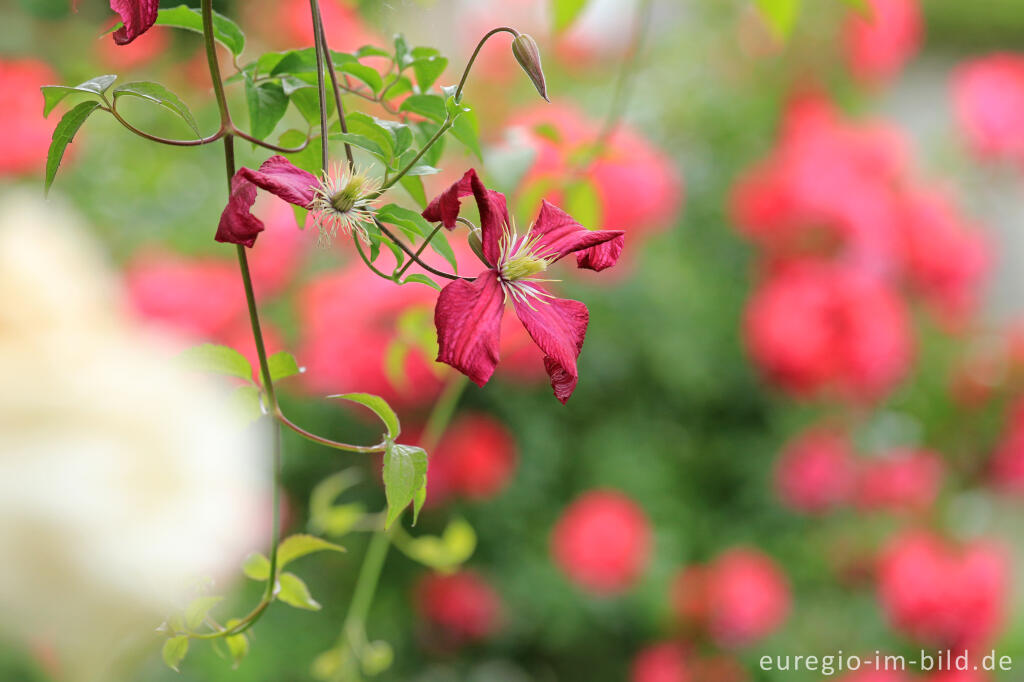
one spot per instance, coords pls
(462, 606)
(602, 541)
(475, 459)
(816, 471)
(814, 327)
(662, 662)
(24, 133)
(942, 594)
(877, 47)
(988, 94)
(638, 186)
(945, 259)
(348, 321)
(901, 480)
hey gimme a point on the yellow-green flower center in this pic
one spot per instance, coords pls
(522, 267)
(344, 200)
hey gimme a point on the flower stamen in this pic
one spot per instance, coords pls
(344, 201)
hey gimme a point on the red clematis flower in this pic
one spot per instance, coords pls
(468, 314)
(138, 17)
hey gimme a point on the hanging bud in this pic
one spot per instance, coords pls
(477, 245)
(526, 53)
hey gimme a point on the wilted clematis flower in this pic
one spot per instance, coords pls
(468, 314)
(340, 201)
(138, 17)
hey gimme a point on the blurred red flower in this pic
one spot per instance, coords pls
(290, 25)
(475, 459)
(1007, 465)
(879, 45)
(866, 675)
(24, 133)
(901, 480)
(662, 662)
(945, 259)
(638, 186)
(814, 326)
(602, 541)
(988, 94)
(463, 605)
(136, 54)
(348, 321)
(739, 597)
(944, 594)
(816, 471)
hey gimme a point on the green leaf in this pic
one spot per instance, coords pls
(210, 357)
(421, 279)
(298, 546)
(414, 224)
(238, 646)
(582, 201)
(154, 92)
(453, 548)
(364, 73)
(376, 657)
(379, 406)
(282, 365)
(413, 184)
(466, 130)
(371, 51)
(196, 612)
(364, 143)
(405, 474)
(307, 101)
(225, 31)
(428, 67)
(309, 158)
(327, 517)
(53, 94)
(295, 593)
(375, 130)
(402, 53)
(256, 567)
(174, 651)
(326, 665)
(781, 15)
(63, 134)
(267, 105)
(565, 12)
(861, 7)
(428, 106)
(248, 400)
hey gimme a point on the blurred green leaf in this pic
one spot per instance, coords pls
(413, 184)
(267, 106)
(174, 651)
(154, 92)
(282, 365)
(198, 609)
(428, 66)
(63, 134)
(582, 201)
(298, 546)
(326, 665)
(248, 400)
(565, 12)
(781, 15)
(327, 517)
(53, 94)
(379, 406)
(405, 475)
(238, 647)
(364, 73)
(466, 130)
(376, 657)
(453, 548)
(428, 106)
(209, 357)
(862, 7)
(293, 591)
(256, 567)
(309, 158)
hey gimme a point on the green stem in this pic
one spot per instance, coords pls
(426, 147)
(310, 436)
(329, 60)
(444, 409)
(472, 59)
(419, 252)
(318, 33)
(211, 59)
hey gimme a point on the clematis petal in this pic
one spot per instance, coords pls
(237, 225)
(558, 235)
(278, 176)
(493, 209)
(558, 327)
(136, 15)
(602, 256)
(468, 321)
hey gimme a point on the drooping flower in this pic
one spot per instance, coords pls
(341, 200)
(943, 594)
(138, 16)
(468, 314)
(602, 542)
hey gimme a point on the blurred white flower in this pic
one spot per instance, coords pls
(123, 477)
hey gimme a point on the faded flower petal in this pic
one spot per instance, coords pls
(493, 209)
(559, 235)
(137, 15)
(602, 256)
(278, 176)
(468, 321)
(558, 326)
(237, 224)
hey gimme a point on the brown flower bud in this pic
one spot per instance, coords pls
(526, 53)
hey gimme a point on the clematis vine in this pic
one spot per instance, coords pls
(138, 16)
(342, 200)
(468, 313)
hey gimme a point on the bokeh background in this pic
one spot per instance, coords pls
(797, 428)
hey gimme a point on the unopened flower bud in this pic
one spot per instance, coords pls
(528, 55)
(477, 245)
